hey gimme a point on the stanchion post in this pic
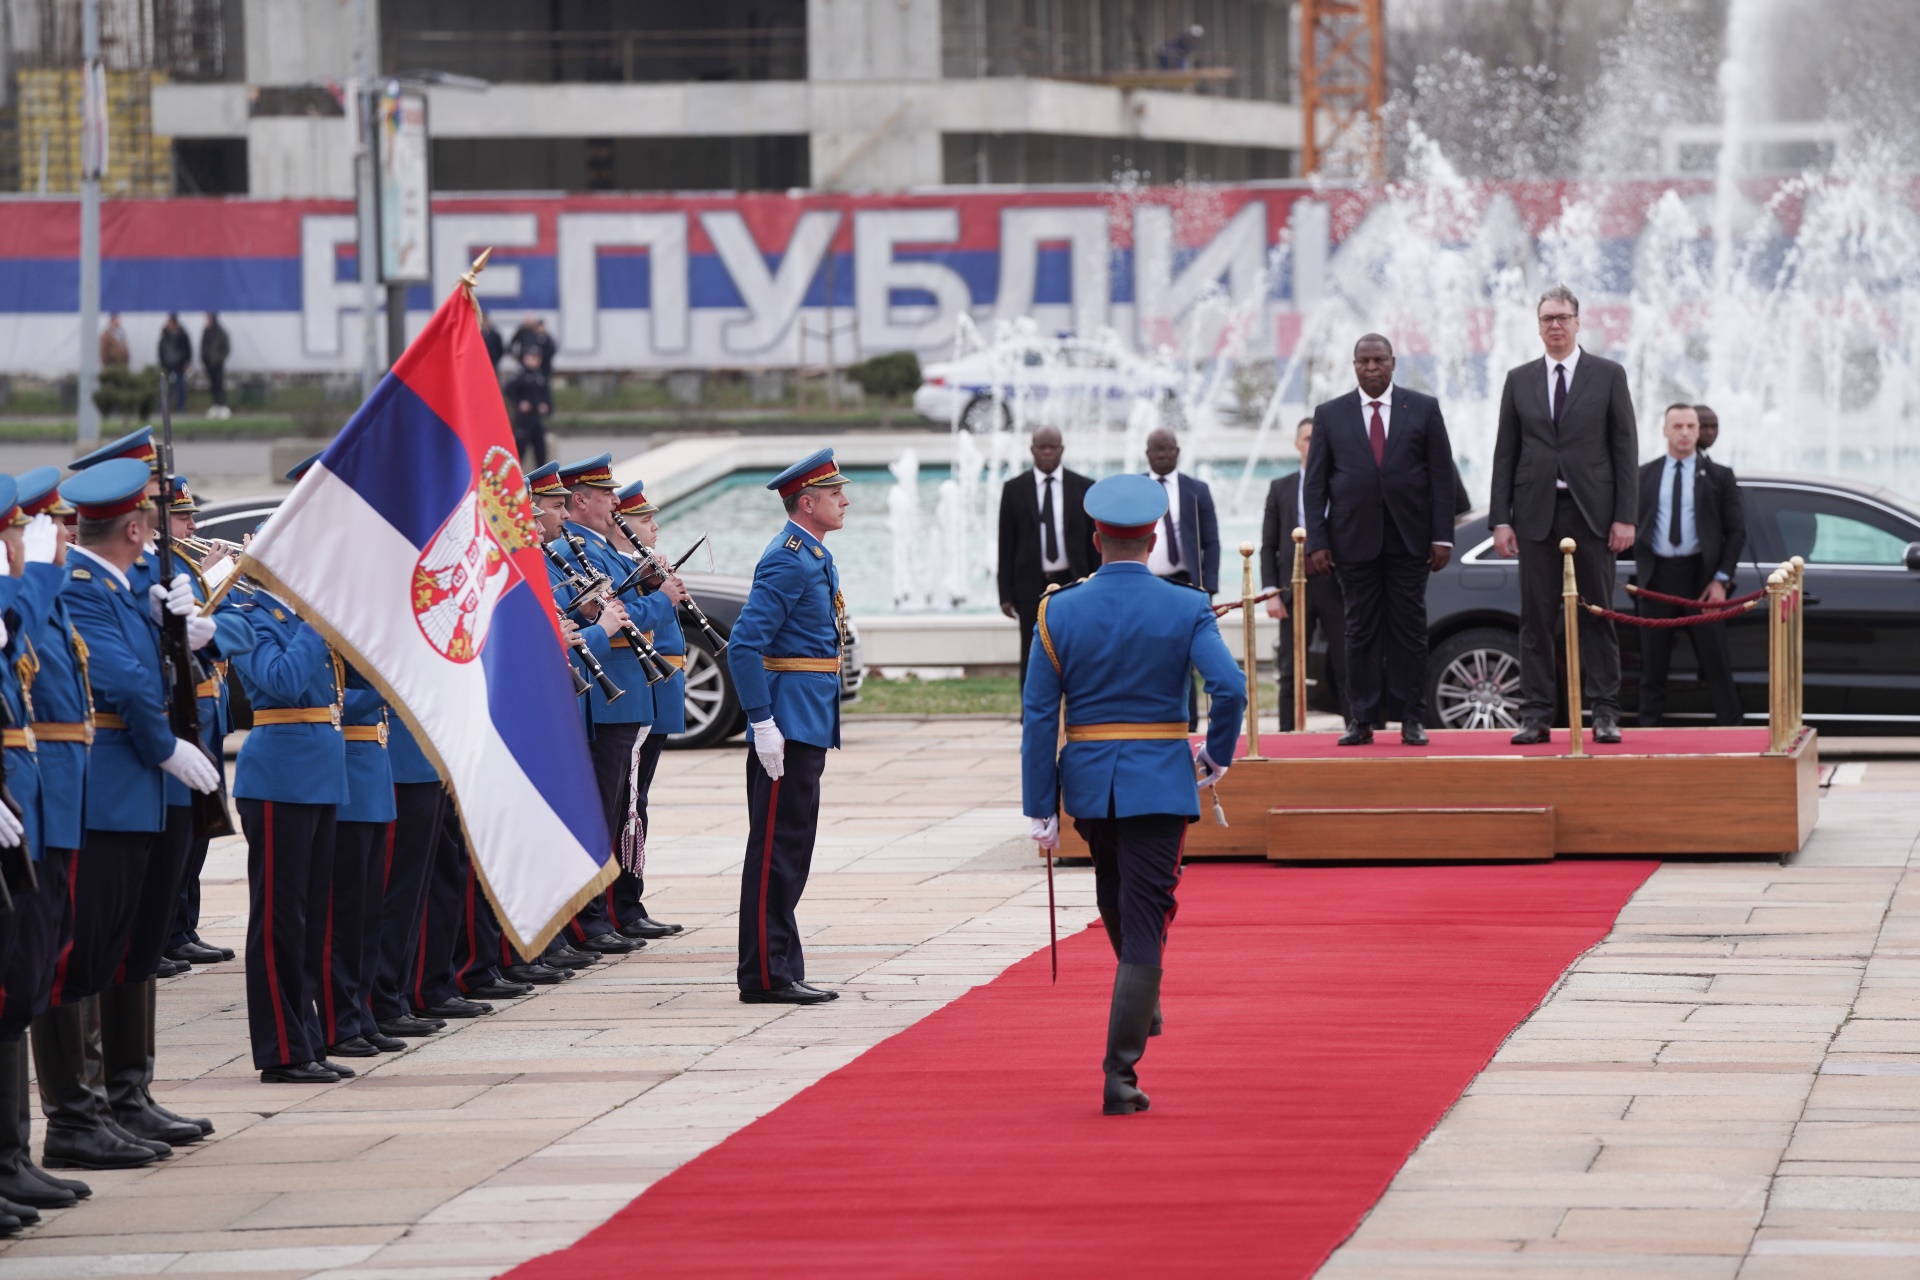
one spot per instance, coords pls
(1570, 598)
(1298, 621)
(1799, 643)
(1777, 662)
(1247, 615)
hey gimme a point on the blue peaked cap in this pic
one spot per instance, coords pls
(1129, 505)
(302, 468)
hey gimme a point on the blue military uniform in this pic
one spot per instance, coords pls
(1117, 647)
(784, 653)
(420, 806)
(361, 827)
(289, 782)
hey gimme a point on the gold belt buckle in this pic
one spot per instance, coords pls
(333, 715)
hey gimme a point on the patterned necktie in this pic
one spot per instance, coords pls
(1559, 391)
(1377, 437)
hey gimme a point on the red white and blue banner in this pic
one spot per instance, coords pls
(761, 280)
(411, 546)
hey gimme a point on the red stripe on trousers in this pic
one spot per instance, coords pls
(66, 952)
(266, 934)
(766, 870)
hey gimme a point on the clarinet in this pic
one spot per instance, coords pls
(599, 673)
(650, 561)
(652, 665)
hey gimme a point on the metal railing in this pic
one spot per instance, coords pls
(545, 57)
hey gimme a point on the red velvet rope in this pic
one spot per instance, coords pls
(1635, 620)
(1661, 597)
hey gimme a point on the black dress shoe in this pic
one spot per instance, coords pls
(611, 944)
(408, 1026)
(1606, 726)
(647, 927)
(298, 1073)
(536, 973)
(792, 993)
(1531, 734)
(198, 953)
(501, 990)
(204, 1126)
(17, 1186)
(226, 953)
(352, 1047)
(808, 986)
(1359, 735)
(459, 1007)
(339, 1069)
(20, 1210)
(1411, 734)
(93, 1148)
(566, 956)
(72, 1186)
(168, 968)
(161, 1150)
(152, 1126)
(384, 1043)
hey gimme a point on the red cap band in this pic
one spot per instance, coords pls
(112, 509)
(798, 483)
(1125, 530)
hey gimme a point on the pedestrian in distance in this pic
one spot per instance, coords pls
(215, 348)
(114, 353)
(176, 355)
(530, 394)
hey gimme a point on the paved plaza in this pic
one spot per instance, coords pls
(1729, 1085)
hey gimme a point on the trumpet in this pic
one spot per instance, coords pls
(652, 564)
(201, 548)
(590, 584)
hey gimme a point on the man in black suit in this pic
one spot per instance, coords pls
(1565, 466)
(1326, 610)
(1188, 549)
(1692, 528)
(1379, 508)
(1045, 536)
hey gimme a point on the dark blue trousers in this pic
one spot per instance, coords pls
(289, 878)
(353, 927)
(612, 751)
(159, 901)
(105, 893)
(43, 925)
(408, 860)
(622, 898)
(782, 816)
(186, 920)
(1136, 868)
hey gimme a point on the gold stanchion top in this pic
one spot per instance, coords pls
(1299, 534)
(1777, 578)
(1566, 546)
(1247, 549)
(1798, 563)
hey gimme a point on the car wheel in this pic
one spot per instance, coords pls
(984, 414)
(1473, 681)
(712, 706)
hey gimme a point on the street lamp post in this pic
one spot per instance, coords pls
(93, 159)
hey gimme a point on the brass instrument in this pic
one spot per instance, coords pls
(650, 562)
(598, 586)
(599, 673)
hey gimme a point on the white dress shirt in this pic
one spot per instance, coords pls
(1386, 414)
(1160, 559)
(1059, 478)
(1570, 364)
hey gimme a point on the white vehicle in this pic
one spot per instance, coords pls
(1030, 382)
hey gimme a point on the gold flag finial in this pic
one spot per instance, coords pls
(471, 277)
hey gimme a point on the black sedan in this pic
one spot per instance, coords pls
(1862, 548)
(713, 710)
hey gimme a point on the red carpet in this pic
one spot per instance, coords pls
(1319, 1023)
(1494, 742)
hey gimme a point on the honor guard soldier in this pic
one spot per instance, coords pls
(1117, 647)
(353, 913)
(232, 632)
(420, 805)
(43, 920)
(289, 783)
(139, 446)
(134, 752)
(637, 519)
(785, 657)
(620, 725)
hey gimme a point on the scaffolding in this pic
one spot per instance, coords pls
(1343, 86)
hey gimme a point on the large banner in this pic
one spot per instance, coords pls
(762, 281)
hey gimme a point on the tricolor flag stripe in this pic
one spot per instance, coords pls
(410, 546)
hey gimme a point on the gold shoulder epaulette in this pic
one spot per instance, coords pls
(793, 542)
(83, 575)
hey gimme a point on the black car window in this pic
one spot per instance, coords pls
(1827, 528)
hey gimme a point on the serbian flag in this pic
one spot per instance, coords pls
(411, 546)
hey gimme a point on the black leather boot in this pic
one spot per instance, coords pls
(95, 1031)
(18, 1180)
(1136, 989)
(1113, 936)
(127, 1021)
(22, 1127)
(78, 1137)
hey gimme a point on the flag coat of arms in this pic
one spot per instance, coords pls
(411, 546)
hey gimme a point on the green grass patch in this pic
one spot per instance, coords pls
(975, 695)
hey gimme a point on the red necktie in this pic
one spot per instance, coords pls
(1377, 437)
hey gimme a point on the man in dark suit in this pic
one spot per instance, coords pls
(1045, 536)
(1326, 610)
(1692, 528)
(1379, 509)
(1565, 466)
(1189, 546)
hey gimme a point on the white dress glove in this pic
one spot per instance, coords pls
(190, 764)
(4, 633)
(180, 601)
(40, 539)
(771, 746)
(1045, 831)
(1210, 773)
(199, 631)
(11, 832)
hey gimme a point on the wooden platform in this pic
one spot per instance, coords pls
(1656, 803)
(1512, 834)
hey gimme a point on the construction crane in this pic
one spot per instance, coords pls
(1343, 86)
